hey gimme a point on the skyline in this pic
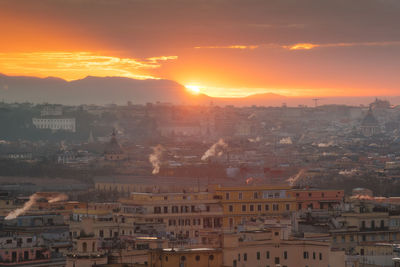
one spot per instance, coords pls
(222, 48)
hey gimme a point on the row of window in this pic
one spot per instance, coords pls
(259, 207)
(256, 195)
(306, 255)
(180, 209)
(364, 238)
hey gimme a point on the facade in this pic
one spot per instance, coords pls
(246, 203)
(113, 151)
(177, 215)
(317, 199)
(365, 224)
(274, 247)
(370, 125)
(51, 110)
(86, 253)
(170, 257)
(55, 124)
(26, 250)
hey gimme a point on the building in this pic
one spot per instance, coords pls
(113, 151)
(51, 110)
(276, 247)
(86, 253)
(246, 203)
(317, 198)
(55, 124)
(27, 250)
(370, 126)
(182, 216)
(365, 223)
(184, 257)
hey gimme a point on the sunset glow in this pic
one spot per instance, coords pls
(293, 55)
(194, 89)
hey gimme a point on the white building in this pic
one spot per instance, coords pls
(55, 124)
(52, 110)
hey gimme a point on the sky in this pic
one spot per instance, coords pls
(223, 48)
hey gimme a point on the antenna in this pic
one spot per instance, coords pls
(316, 101)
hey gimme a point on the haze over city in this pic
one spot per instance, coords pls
(207, 133)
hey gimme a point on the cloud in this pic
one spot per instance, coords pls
(74, 65)
(308, 46)
(242, 47)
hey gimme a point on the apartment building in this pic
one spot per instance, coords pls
(246, 203)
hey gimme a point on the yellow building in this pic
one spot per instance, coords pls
(185, 257)
(245, 203)
(274, 247)
(183, 215)
(365, 224)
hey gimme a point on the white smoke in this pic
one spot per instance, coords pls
(255, 140)
(215, 149)
(294, 179)
(286, 141)
(330, 143)
(60, 197)
(155, 158)
(32, 201)
(348, 173)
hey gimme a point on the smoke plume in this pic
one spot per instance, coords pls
(286, 141)
(155, 158)
(296, 178)
(32, 200)
(215, 149)
(60, 197)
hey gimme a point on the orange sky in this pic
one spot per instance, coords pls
(229, 48)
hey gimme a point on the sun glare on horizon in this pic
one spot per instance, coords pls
(194, 89)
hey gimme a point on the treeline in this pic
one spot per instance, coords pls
(50, 169)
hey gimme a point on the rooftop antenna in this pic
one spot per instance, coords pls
(316, 101)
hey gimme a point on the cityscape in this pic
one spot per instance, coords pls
(201, 133)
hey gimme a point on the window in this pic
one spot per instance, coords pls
(239, 257)
(320, 256)
(245, 256)
(343, 239)
(101, 233)
(243, 207)
(258, 255)
(267, 255)
(165, 209)
(266, 207)
(277, 260)
(352, 238)
(363, 224)
(299, 206)
(285, 255)
(313, 255)
(258, 207)
(275, 207)
(364, 238)
(287, 206)
(251, 207)
(227, 196)
(255, 195)
(382, 223)
(305, 254)
(240, 195)
(372, 224)
(362, 252)
(230, 208)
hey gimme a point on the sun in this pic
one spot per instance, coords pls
(194, 89)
